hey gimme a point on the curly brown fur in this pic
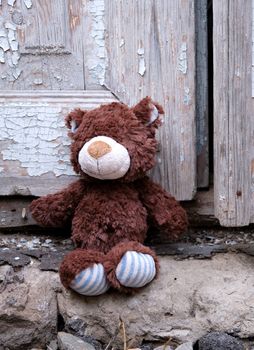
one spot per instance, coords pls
(114, 256)
(76, 261)
(57, 210)
(164, 212)
(109, 213)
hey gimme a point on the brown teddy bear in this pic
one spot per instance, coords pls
(114, 202)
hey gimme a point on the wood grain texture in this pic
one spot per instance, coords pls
(202, 93)
(34, 147)
(252, 48)
(151, 51)
(233, 112)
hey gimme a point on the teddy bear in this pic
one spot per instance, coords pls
(112, 205)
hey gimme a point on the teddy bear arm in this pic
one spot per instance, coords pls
(164, 212)
(56, 210)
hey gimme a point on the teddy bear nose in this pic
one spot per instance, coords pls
(98, 149)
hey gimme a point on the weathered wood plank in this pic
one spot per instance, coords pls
(34, 147)
(151, 51)
(233, 113)
(202, 93)
(252, 123)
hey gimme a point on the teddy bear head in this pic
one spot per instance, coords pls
(114, 141)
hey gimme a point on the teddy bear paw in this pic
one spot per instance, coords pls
(135, 269)
(91, 281)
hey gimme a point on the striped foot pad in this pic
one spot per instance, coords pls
(135, 269)
(91, 281)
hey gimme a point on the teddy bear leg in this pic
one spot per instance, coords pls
(131, 265)
(83, 271)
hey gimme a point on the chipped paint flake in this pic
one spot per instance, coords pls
(9, 25)
(15, 58)
(11, 2)
(4, 44)
(16, 73)
(142, 66)
(186, 98)
(182, 64)
(14, 45)
(28, 3)
(2, 59)
(122, 42)
(11, 35)
(141, 51)
(2, 33)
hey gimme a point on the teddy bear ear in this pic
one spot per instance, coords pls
(74, 119)
(148, 111)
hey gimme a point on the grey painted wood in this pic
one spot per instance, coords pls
(49, 50)
(202, 93)
(151, 51)
(233, 112)
(52, 45)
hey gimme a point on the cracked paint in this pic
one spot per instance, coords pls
(182, 64)
(97, 64)
(36, 137)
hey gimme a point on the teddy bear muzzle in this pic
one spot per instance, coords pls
(104, 158)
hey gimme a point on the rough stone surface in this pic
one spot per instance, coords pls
(189, 299)
(68, 341)
(28, 307)
(219, 341)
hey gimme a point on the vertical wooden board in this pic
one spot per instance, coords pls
(252, 124)
(233, 115)
(151, 51)
(202, 93)
(43, 45)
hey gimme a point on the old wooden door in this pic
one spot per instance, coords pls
(56, 55)
(52, 54)
(233, 112)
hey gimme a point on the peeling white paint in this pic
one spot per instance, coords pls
(9, 25)
(122, 42)
(15, 58)
(142, 66)
(2, 59)
(11, 2)
(97, 64)
(4, 44)
(187, 97)
(14, 45)
(11, 35)
(36, 137)
(28, 3)
(16, 73)
(182, 64)
(9, 46)
(141, 51)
